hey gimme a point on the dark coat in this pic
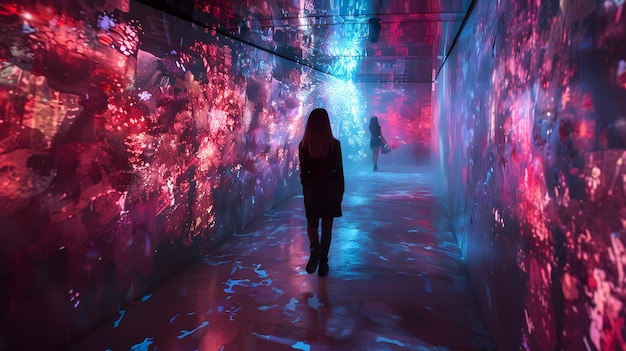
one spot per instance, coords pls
(322, 182)
(377, 136)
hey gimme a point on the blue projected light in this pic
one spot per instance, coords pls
(117, 322)
(185, 333)
(143, 346)
(348, 117)
(346, 47)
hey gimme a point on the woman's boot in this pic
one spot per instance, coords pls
(323, 269)
(311, 266)
(314, 258)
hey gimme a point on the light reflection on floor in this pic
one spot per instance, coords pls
(396, 282)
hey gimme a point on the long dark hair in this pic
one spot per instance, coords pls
(375, 129)
(318, 136)
(374, 122)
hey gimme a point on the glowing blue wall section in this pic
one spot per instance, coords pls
(530, 138)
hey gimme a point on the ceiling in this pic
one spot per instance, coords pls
(363, 40)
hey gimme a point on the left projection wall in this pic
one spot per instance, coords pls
(131, 143)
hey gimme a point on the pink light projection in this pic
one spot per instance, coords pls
(131, 142)
(532, 100)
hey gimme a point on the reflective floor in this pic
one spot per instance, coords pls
(396, 282)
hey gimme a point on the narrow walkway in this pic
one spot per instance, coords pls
(396, 282)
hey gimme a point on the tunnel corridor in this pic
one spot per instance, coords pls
(397, 281)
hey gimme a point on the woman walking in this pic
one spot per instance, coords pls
(376, 141)
(321, 175)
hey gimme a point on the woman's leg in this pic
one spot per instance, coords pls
(375, 152)
(327, 235)
(312, 225)
(312, 232)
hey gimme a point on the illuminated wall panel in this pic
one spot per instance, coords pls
(531, 139)
(131, 143)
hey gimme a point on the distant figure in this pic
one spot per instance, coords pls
(376, 140)
(321, 175)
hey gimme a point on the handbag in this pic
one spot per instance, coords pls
(385, 149)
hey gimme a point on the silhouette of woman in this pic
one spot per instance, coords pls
(376, 140)
(321, 175)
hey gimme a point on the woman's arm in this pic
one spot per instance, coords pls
(304, 164)
(338, 165)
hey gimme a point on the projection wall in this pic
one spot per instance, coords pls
(531, 139)
(131, 143)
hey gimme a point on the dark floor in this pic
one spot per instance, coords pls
(396, 282)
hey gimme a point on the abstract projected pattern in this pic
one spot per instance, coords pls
(532, 138)
(130, 143)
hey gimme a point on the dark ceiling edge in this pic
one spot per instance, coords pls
(456, 37)
(190, 19)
